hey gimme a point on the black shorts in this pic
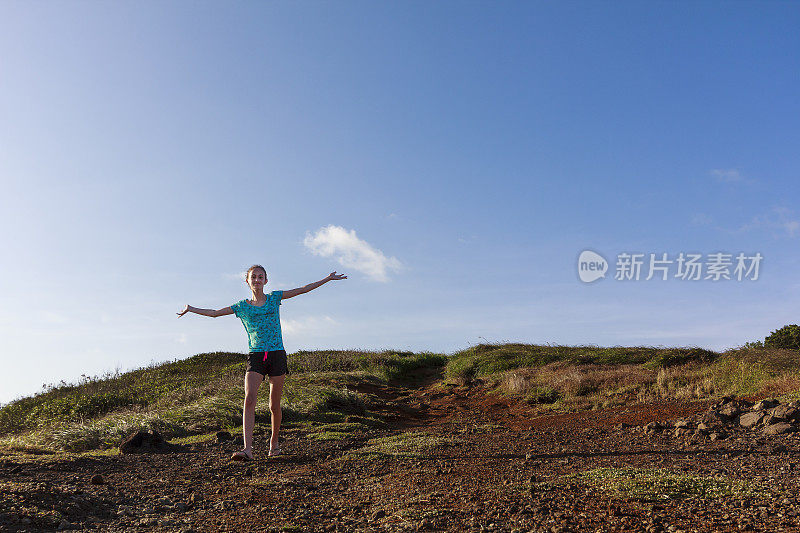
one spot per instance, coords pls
(271, 363)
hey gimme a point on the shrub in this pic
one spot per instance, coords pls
(754, 345)
(788, 337)
(666, 358)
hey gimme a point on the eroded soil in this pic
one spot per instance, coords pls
(487, 464)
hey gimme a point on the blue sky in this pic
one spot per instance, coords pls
(453, 158)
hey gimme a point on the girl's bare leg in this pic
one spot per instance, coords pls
(275, 391)
(252, 380)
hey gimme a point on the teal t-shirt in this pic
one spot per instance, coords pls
(262, 323)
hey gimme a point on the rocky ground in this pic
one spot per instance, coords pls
(452, 460)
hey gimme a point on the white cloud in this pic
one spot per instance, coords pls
(54, 318)
(729, 175)
(239, 276)
(780, 218)
(702, 219)
(351, 252)
(273, 283)
(306, 325)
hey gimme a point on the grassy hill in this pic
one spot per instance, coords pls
(590, 377)
(195, 397)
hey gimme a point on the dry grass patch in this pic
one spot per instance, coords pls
(591, 377)
(577, 386)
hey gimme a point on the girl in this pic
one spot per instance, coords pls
(267, 357)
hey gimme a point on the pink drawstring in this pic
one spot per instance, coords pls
(266, 354)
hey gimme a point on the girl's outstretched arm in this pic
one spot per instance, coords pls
(311, 286)
(207, 312)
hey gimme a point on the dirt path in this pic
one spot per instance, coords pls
(452, 460)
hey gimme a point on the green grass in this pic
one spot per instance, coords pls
(345, 427)
(387, 364)
(408, 444)
(202, 394)
(197, 439)
(107, 431)
(329, 435)
(197, 396)
(154, 386)
(336, 430)
(655, 485)
(488, 359)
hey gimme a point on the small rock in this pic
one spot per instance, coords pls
(779, 411)
(713, 419)
(749, 420)
(653, 427)
(143, 441)
(765, 404)
(65, 525)
(682, 423)
(778, 429)
(729, 410)
(97, 479)
(769, 420)
(223, 436)
(377, 515)
(784, 412)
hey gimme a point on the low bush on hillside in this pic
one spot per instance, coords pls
(788, 338)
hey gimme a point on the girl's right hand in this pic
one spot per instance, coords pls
(185, 310)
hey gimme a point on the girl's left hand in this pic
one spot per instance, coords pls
(333, 275)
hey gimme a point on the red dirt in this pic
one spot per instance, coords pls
(505, 468)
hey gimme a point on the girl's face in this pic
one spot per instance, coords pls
(257, 279)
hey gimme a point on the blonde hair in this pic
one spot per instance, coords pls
(247, 276)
